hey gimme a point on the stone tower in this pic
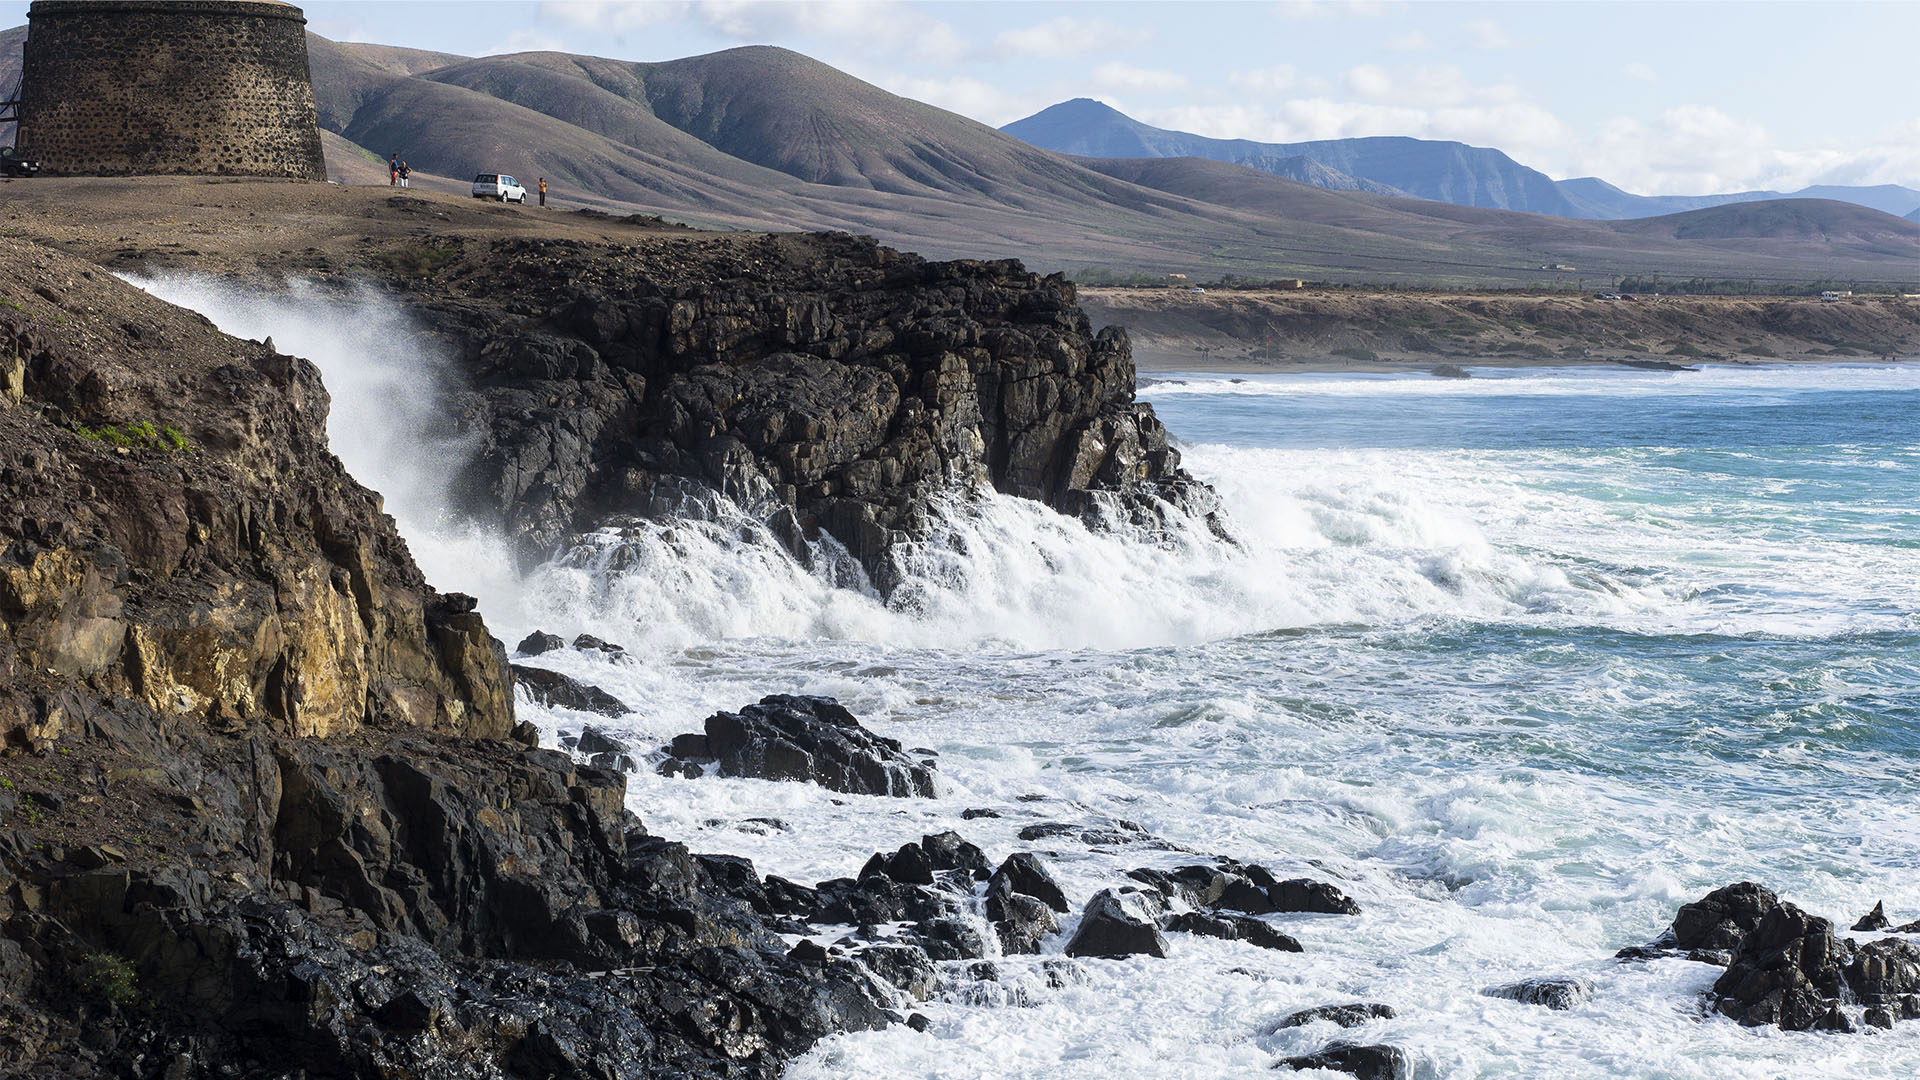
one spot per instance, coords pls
(205, 87)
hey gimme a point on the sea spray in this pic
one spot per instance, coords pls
(1521, 674)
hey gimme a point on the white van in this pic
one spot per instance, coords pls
(499, 186)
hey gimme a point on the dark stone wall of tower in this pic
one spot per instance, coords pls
(204, 87)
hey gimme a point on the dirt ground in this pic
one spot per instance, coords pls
(253, 227)
(1356, 330)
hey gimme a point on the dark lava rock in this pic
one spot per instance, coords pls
(1875, 919)
(1230, 928)
(1301, 894)
(978, 812)
(1116, 924)
(1345, 1016)
(1554, 993)
(1789, 971)
(1024, 873)
(1365, 1062)
(950, 851)
(553, 688)
(836, 381)
(1021, 921)
(539, 642)
(809, 739)
(1708, 929)
(593, 644)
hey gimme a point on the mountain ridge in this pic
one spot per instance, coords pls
(762, 138)
(1444, 171)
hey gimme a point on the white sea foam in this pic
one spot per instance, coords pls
(1521, 704)
(1617, 381)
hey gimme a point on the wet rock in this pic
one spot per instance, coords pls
(1875, 919)
(949, 851)
(559, 691)
(1345, 1016)
(1365, 1062)
(1024, 873)
(810, 739)
(1710, 928)
(1787, 971)
(976, 813)
(1884, 973)
(1116, 924)
(1301, 894)
(1554, 993)
(903, 966)
(1231, 928)
(838, 383)
(539, 642)
(1021, 921)
(590, 643)
(951, 937)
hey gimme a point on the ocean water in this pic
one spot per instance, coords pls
(1521, 662)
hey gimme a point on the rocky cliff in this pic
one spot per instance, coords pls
(259, 811)
(823, 382)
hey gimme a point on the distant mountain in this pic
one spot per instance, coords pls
(1444, 171)
(764, 138)
(1915, 216)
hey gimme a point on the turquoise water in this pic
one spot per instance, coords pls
(1523, 662)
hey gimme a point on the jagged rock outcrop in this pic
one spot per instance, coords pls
(259, 811)
(179, 535)
(811, 739)
(823, 382)
(1787, 968)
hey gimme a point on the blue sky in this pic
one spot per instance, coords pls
(1661, 98)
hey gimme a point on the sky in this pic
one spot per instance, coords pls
(1668, 98)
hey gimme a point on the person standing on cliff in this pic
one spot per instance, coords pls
(393, 171)
(404, 173)
(543, 191)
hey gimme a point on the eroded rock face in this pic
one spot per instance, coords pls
(177, 534)
(828, 384)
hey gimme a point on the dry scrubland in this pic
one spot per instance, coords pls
(1357, 329)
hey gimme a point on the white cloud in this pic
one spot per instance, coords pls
(1642, 72)
(1329, 9)
(1487, 34)
(1118, 76)
(1412, 41)
(526, 41)
(988, 102)
(1370, 81)
(1274, 80)
(1067, 36)
(889, 24)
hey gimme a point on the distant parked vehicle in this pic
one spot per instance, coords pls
(1606, 296)
(1196, 289)
(12, 164)
(499, 186)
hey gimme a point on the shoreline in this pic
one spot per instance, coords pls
(1329, 366)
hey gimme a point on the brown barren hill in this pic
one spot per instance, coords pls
(765, 138)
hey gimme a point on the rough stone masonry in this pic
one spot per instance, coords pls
(198, 87)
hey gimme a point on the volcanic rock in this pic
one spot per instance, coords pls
(810, 739)
(1342, 1015)
(1230, 928)
(552, 688)
(1024, 873)
(1365, 1062)
(830, 385)
(1116, 924)
(1558, 994)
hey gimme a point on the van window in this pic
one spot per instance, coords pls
(508, 181)
(483, 179)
